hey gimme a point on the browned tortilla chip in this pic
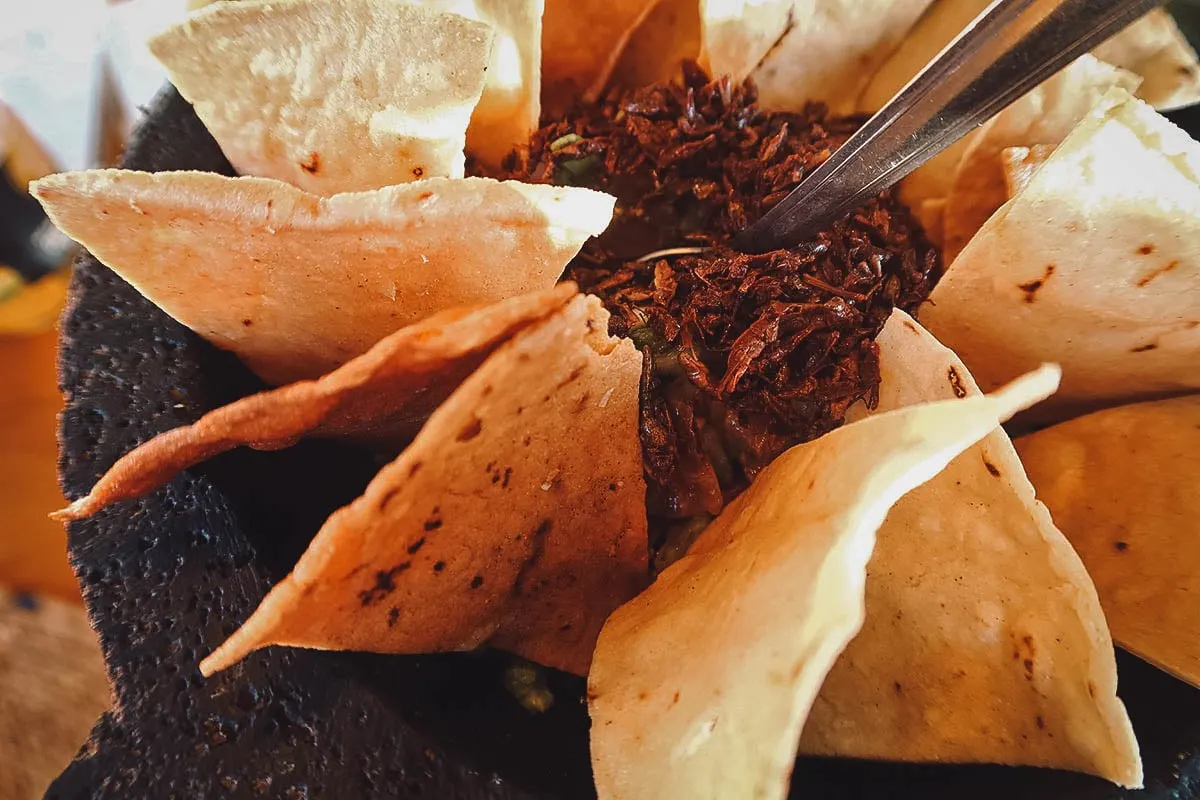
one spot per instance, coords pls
(655, 51)
(331, 96)
(297, 285)
(830, 51)
(508, 110)
(1122, 484)
(516, 516)
(581, 42)
(1019, 164)
(383, 394)
(984, 640)
(736, 35)
(700, 686)
(1093, 266)
(1045, 116)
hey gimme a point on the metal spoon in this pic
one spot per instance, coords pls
(1010, 48)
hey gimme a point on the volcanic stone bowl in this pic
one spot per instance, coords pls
(168, 577)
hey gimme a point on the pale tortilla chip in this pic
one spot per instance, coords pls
(544, 432)
(1153, 48)
(984, 640)
(508, 110)
(298, 285)
(1094, 266)
(831, 50)
(700, 686)
(581, 42)
(383, 395)
(1122, 485)
(736, 35)
(1044, 115)
(1156, 49)
(1020, 164)
(944, 19)
(656, 50)
(331, 96)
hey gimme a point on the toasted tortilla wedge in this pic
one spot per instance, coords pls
(1019, 165)
(1122, 485)
(508, 110)
(700, 685)
(383, 395)
(581, 42)
(297, 285)
(736, 35)
(545, 430)
(331, 97)
(1145, 48)
(655, 51)
(1156, 49)
(1094, 265)
(831, 50)
(1153, 48)
(1045, 116)
(984, 640)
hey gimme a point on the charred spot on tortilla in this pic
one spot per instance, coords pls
(991, 468)
(1144, 348)
(1121, 547)
(745, 356)
(1030, 288)
(956, 384)
(1146, 249)
(1163, 270)
(311, 164)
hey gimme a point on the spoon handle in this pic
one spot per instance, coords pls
(1009, 49)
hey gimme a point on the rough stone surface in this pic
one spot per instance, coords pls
(166, 578)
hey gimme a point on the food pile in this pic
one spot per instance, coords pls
(756, 502)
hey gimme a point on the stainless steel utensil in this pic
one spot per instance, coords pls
(1010, 48)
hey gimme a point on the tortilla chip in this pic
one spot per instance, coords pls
(984, 640)
(1156, 49)
(581, 42)
(1122, 485)
(322, 96)
(944, 20)
(1020, 164)
(383, 395)
(298, 285)
(545, 430)
(665, 39)
(736, 35)
(1153, 48)
(931, 215)
(831, 50)
(25, 158)
(1044, 115)
(700, 686)
(508, 111)
(1093, 266)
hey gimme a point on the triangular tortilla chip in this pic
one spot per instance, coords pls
(736, 35)
(1020, 164)
(545, 432)
(946, 18)
(831, 50)
(507, 114)
(1122, 485)
(1153, 48)
(700, 686)
(331, 96)
(581, 42)
(984, 640)
(298, 285)
(1093, 266)
(1044, 115)
(1156, 49)
(384, 394)
(657, 49)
